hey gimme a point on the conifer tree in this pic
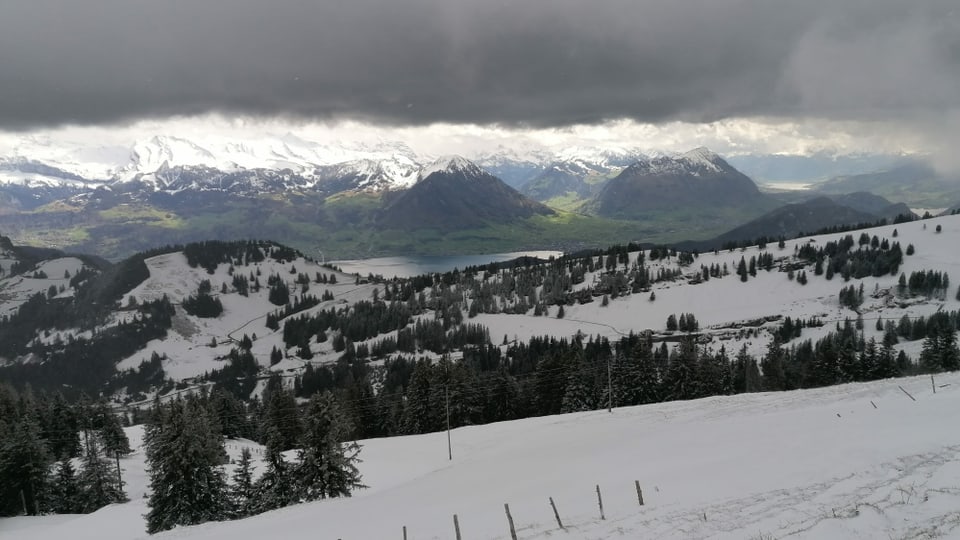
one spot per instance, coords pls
(327, 462)
(680, 379)
(276, 487)
(99, 483)
(241, 490)
(746, 373)
(65, 489)
(886, 362)
(24, 461)
(184, 451)
(870, 361)
(672, 324)
(774, 377)
(281, 419)
(940, 351)
(646, 383)
(115, 441)
(419, 415)
(577, 394)
(61, 425)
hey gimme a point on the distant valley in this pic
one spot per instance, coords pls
(353, 202)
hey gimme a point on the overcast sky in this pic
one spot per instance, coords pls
(844, 67)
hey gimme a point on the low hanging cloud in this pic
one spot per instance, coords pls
(538, 63)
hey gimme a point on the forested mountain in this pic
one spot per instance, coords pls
(790, 220)
(913, 182)
(367, 200)
(224, 314)
(696, 181)
(454, 193)
(225, 338)
(876, 205)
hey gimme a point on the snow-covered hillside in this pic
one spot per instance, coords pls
(379, 165)
(867, 460)
(187, 348)
(17, 289)
(723, 306)
(849, 461)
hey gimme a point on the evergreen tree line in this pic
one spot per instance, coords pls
(43, 438)
(686, 323)
(833, 229)
(147, 376)
(549, 376)
(928, 283)
(210, 254)
(186, 457)
(80, 363)
(203, 304)
(300, 303)
(874, 257)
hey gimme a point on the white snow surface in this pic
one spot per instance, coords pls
(851, 461)
(451, 164)
(722, 306)
(695, 163)
(187, 343)
(382, 164)
(15, 290)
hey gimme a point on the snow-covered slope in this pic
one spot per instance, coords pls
(451, 164)
(368, 166)
(721, 305)
(60, 163)
(850, 461)
(17, 289)
(187, 347)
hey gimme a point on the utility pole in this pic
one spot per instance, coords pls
(446, 397)
(119, 478)
(609, 388)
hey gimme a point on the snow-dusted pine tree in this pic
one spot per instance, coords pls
(328, 464)
(114, 439)
(99, 483)
(276, 488)
(242, 489)
(65, 489)
(184, 451)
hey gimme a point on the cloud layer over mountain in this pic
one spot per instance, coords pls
(539, 63)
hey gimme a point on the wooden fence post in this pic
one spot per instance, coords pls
(639, 492)
(600, 502)
(555, 513)
(513, 531)
(456, 526)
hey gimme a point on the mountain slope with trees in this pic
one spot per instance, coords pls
(457, 194)
(696, 181)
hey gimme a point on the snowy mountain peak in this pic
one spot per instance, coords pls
(452, 164)
(702, 157)
(696, 162)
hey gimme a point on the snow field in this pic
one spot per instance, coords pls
(815, 464)
(187, 344)
(15, 290)
(720, 305)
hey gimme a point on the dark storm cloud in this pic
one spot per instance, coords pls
(525, 62)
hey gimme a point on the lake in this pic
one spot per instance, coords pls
(416, 265)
